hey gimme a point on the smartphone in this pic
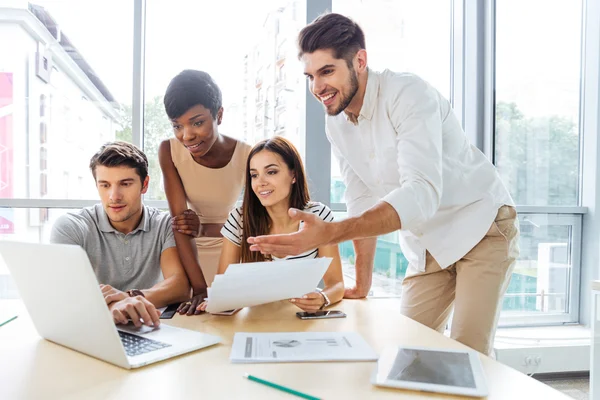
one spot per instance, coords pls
(320, 314)
(169, 311)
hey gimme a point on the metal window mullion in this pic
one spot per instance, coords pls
(46, 203)
(475, 90)
(575, 281)
(317, 154)
(139, 39)
(590, 145)
(338, 207)
(551, 210)
(341, 207)
(160, 204)
(516, 321)
(552, 219)
(66, 203)
(457, 59)
(488, 91)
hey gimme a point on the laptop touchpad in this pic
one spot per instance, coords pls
(131, 328)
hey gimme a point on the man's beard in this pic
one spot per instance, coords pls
(346, 98)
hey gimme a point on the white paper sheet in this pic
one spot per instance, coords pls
(299, 347)
(250, 284)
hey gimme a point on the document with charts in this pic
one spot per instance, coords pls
(262, 347)
(251, 284)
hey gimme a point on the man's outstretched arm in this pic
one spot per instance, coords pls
(378, 220)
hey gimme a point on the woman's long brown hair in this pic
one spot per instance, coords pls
(256, 220)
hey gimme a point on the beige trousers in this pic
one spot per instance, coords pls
(474, 285)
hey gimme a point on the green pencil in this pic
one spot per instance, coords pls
(279, 387)
(8, 320)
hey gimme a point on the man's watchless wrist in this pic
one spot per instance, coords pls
(335, 233)
(363, 289)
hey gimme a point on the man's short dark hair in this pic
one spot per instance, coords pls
(332, 32)
(190, 88)
(120, 154)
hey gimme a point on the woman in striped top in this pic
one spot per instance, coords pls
(275, 182)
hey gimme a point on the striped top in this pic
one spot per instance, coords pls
(234, 232)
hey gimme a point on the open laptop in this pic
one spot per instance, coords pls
(63, 298)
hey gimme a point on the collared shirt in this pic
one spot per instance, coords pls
(409, 150)
(130, 261)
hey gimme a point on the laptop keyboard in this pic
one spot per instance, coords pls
(136, 345)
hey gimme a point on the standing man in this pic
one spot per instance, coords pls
(407, 166)
(130, 246)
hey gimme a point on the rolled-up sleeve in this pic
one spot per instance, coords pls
(358, 197)
(416, 117)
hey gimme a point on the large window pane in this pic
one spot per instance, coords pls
(63, 78)
(537, 99)
(405, 36)
(255, 66)
(542, 279)
(402, 36)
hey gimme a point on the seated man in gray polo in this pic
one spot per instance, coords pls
(130, 246)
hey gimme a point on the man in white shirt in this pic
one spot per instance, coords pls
(408, 166)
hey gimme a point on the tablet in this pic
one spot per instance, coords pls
(431, 370)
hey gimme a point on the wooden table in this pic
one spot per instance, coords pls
(33, 368)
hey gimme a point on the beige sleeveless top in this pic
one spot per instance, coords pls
(211, 192)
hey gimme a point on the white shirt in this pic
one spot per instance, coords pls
(409, 150)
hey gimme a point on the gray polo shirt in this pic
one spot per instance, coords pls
(125, 262)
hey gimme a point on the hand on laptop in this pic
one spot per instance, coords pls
(135, 309)
(111, 294)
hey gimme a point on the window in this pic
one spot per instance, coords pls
(58, 82)
(537, 100)
(244, 65)
(536, 148)
(403, 36)
(76, 79)
(543, 283)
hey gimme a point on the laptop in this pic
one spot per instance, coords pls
(60, 291)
